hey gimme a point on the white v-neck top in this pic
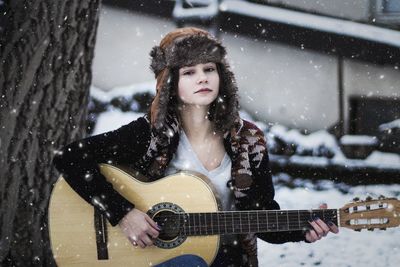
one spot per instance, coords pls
(185, 159)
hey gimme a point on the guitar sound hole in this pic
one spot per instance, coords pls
(169, 223)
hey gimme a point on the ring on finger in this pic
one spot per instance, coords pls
(133, 241)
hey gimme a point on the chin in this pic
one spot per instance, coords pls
(201, 102)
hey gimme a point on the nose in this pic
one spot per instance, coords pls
(202, 77)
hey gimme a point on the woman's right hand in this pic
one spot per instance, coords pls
(139, 228)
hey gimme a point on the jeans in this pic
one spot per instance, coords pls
(184, 261)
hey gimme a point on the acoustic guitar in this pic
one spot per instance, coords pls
(187, 208)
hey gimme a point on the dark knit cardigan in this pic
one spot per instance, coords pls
(131, 144)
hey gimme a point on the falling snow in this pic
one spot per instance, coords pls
(349, 248)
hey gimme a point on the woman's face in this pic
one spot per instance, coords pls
(198, 84)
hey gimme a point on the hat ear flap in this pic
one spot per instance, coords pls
(159, 106)
(158, 62)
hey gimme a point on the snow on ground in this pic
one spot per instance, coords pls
(348, 248)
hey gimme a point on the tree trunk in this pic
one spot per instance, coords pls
(46, 53)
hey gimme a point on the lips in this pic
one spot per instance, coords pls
(203, 90)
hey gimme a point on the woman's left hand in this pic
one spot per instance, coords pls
(320, 228)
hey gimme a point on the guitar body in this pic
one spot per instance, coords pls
(71, 220)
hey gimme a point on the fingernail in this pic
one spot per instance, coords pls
(315, 218)
(330, 223)
(159, 228)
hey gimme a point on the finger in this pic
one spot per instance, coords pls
(316, 227)
(141, 243)
(309, 237)
(146, 240)
(333, 228)
(153, 233)
(323, 206)
(133, 241)
(153, 223)
(313, 236)
(325, 228)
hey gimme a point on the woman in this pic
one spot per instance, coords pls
(193, 124)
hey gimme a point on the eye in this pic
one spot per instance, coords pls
(210, 69)
(189, 72)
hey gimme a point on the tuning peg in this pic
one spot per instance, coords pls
(384, 229)
(381, 197)
(356, 199)
(369, 198)
(358, 230)
(370, 229)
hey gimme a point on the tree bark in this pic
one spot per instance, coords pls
(46, 53)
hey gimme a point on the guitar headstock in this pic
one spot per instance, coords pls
(371, 213)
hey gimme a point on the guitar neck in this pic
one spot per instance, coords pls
(256, 221)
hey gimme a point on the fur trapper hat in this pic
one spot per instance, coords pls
(188, 47)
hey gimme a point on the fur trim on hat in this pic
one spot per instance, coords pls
(188, 51)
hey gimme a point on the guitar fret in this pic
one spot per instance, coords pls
(199, 226)
(248, 220)
(240, 220)
(205, 224)
(253, 218)
(226, 226)
(225, 223)
(219, 228)
(277, 221)
(187, 225)
(182, 223)
(287, 216)
(193, 224)
(212, 227)
(233, 223)
(188, 230)
(298, 218)
(258, 223)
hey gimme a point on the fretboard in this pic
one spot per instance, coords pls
(260, 221)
